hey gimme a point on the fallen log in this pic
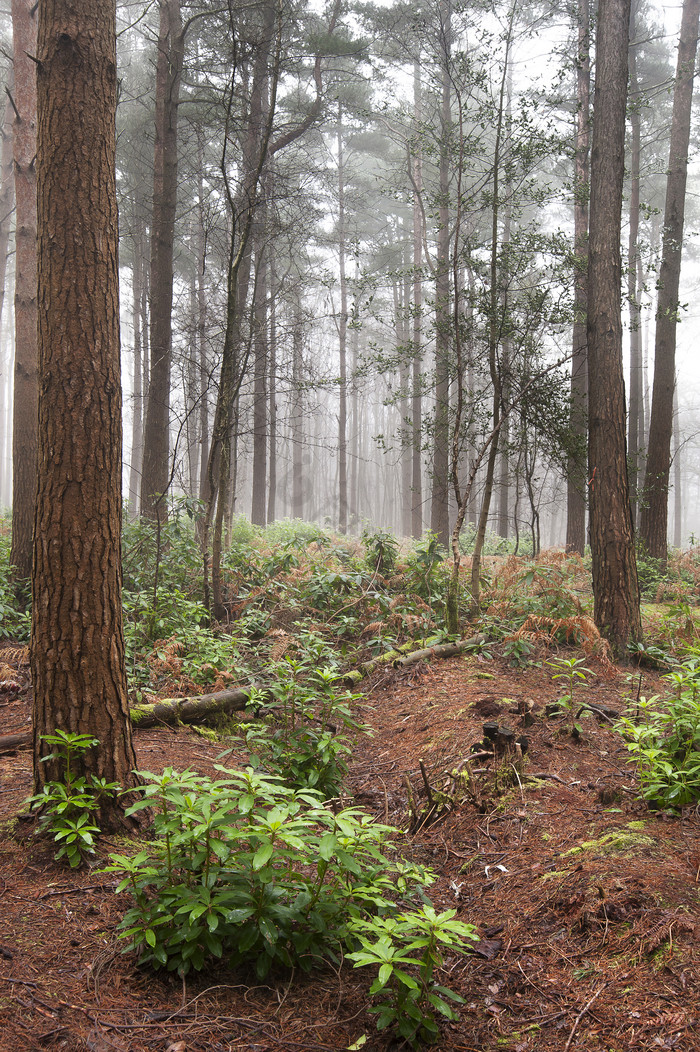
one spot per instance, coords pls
(399, 657)
(171, 711)
(10, 742)
(193, 710)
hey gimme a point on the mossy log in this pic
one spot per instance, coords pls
(405, 656)
(193, 710)
(171, 711)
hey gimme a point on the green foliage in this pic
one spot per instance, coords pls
(304, 737)
(68, 808)
(572, 670)
(664, 740)
(165, 556)
(424, 564)
(248, 871)
(15, 622)
(381, 550)
(518, 650)
(406, 950)
(295, 533)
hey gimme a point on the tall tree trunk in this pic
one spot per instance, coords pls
(654, 517)
(342, 337)
(295, 407)
(24, 437)
(615, 586)
(417, 359)
(169, 63)
(272, 389)
(202, 357)
(260, 366)
(677, 477)
(7, 191)
(138, 324)
(77, 646)
(576, 466)
(633, 269)
(439, 508)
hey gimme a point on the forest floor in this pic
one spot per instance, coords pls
(587, 904)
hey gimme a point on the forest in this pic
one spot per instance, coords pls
(349, 589)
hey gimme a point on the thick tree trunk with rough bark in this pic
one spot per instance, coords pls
(24, 28)
(654, 516)
(615, 586)
(77, 645)
(156, 454)
(576, 465)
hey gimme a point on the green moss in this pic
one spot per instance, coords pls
(618, 841)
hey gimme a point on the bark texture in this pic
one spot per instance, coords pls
(576, 466)
(24, 29)
(156, 454)
(615, 586)
(77, 645)
(654, 515)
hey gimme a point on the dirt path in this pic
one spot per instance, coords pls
(587, 905)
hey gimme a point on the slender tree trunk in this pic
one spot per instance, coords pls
(24, 437)
(576, 466)
(272, 388)
(202, 357)
(138, 323)
(633, 268)
(296, 412)
(7, 191)
(654, 517)
(677, 477)
(260, 367)
(615, 586)
(417, 362)
(77, 646)
(156, 460)
(342, 338)
(439, 509)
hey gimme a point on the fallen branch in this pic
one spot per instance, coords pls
(171, 711)
(399, 658)
(193, 710)
(10, 742)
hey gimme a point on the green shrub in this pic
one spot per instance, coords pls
(381, 550)
(69, 807)
(406, 950)
(304, 738)
(664, 740)
(15, 622)
(247, 871)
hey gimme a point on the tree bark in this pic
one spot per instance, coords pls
(24, 437)
(169, 63)
(576, 465)
(615, 586)
(77, 643)
(342, 338)
(439, 509)
(417, 363)
(260, 366)
(7, 190)
(138, 324)
(654, 516)
(633, 268)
